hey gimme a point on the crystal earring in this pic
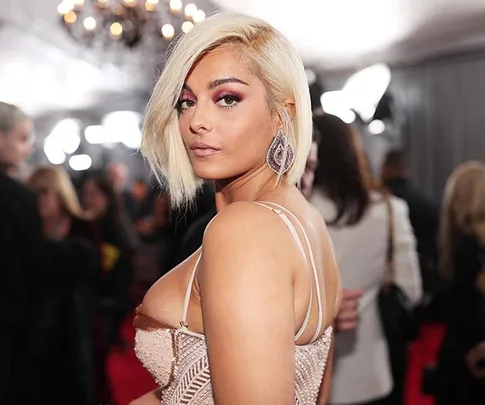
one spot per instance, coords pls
(276, 159)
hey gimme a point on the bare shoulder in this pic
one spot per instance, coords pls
(246, 216)
(248, 233)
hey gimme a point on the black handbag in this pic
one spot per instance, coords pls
(399, 322)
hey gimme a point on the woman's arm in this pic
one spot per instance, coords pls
(246, 287)
(408, 274)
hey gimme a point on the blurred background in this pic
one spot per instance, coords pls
(407, 74)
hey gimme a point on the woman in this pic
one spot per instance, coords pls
(461, 363)
(64, 323)
(249, 314)
(118, 244)
(357, 215)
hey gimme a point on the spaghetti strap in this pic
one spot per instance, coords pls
(184, 323)
(293, 232)
(320, 325)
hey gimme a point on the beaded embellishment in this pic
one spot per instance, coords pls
(276, 158)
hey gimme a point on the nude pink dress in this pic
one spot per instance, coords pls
(177, 358)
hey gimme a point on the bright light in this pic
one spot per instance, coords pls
(347, 116)
(116, 29)
(377, 127)
(70, 17)
(89, 23)
(95, 134)
(54, 154)
(123, 126)
(190, 10)
(176, 5)
(168, 31)
(187, 26)
(80, 162)
(336, 103)
(199, 16)
(365, 88)
(64, 7)
(66, 135)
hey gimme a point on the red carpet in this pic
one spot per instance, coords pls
(424, 351)
(130, 380)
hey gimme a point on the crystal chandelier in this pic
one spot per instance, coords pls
(127, 22)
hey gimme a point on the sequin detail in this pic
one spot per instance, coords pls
(188, 381)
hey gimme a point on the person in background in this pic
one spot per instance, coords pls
(460, 375)
(22, 259)
(424, 214)
(66, 303)
(356, 213)
(104, 207)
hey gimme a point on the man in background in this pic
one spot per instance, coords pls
(21, 257)
(424, 214)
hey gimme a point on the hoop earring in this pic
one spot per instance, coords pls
(276, 159)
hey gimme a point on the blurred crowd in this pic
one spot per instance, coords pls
(77, 256)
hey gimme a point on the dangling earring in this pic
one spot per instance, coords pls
(275, 157)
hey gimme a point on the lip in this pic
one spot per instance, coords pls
(201, 149)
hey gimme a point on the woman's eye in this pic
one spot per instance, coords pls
(228, 101)
(186, 104)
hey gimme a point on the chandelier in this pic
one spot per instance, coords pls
(128, 22)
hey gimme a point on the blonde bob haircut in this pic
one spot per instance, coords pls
(463, 209)
(267, 54)
(57, 180)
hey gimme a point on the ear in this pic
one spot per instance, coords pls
(290, 107)
(289, 104)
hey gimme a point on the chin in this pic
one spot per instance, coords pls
(209, 172)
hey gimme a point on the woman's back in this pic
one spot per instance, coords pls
(313, 337)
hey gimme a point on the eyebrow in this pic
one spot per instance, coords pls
(218, 82)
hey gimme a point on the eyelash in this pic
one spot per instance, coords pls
(231, 97)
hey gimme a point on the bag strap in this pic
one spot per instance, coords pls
(389, 270)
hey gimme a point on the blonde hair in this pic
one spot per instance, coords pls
(463, 209)
(57, 179)
(269, 56)
(10, 116)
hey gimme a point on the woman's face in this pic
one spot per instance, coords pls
(49, 202)
(94, 200)
(224, 117)
(16, 146)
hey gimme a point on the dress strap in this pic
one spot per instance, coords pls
(184, 323)
(318, 330)
(296, 237)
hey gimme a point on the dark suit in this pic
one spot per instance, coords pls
(21, 267)
(424, 214)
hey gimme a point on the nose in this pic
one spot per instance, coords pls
(201, 120)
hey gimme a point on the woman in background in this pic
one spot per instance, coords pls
(461, 362)
(65, 310)
(105, 208)
(357, 217)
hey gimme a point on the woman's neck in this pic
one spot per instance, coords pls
(253, 186)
